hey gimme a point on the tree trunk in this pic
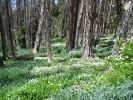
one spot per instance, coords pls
(3, 38)
(20, 23)
(39, 32)
(87, 39)
(28, 20)
(88, 31)
(7, 29)
(69, 38)
(48, 31)
(80, 16)
(75, 21)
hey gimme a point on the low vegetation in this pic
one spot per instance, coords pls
(68, 77)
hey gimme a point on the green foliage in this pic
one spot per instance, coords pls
(35, 89)
(23, 52)
(38, 80)
(127, 51)
(29, 53)
(100, 92)
(58, 40)
(103, 49)
(120, 42)
(59, 60)
(70, 94)
(42, 52)
(76, 54)
(40, 55)
(112, 92)
(57, 50)
(102, 52)
(122, 65)
(8, 63)
(20, 35)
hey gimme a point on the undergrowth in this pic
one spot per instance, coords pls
(69, 77)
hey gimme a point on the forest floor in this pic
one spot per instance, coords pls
(68, 77)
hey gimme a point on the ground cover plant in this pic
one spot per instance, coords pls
(101, 92)
(68, 77)
(66, 50)
(43, 80)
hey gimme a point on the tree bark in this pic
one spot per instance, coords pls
(63, 23)
(20, 23)
(48, 31)
(3, 38)
(80, 16)
(75, 21)
(39, 32)
(7, 29)
(28, 20)
(88, 31)
(69, 37)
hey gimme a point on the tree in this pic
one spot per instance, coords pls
(63, 17)
(47, 19)
(7, 28)
(92, 21)
(124, 28)
(75, 21)
(90, 17)
(79, 21)
(39, 32)
(72, 24)
(26, 20)
(48, 30)
(3, 38)
(69, 37)
(20, 24)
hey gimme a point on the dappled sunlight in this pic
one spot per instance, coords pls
(98, 63)
(41, 70)
(60, 50)
(58, 44)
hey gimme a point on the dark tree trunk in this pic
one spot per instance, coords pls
(3, 38)
(20, 23)
(69, 38)
(80, 17)
(75, 21)
(7, 29)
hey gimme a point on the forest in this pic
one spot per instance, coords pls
(66, 50)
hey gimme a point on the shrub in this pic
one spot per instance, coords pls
(120, 70)
(122, 65)
(127, 51)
